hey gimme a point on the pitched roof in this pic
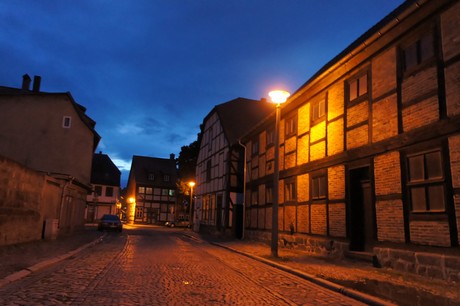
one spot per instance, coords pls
(142, 166)
(104, 171)
(239, 115)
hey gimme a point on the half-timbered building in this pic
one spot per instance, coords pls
(370, 146)
(220, 164)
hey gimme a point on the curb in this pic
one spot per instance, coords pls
(354, 294)
(359, 296)
(45, 264)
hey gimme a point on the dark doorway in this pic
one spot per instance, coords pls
(362, 216)
(219, 212)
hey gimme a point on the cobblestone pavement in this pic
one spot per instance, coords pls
(401, 288)
(146, 267)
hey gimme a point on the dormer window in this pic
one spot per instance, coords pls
(66, 122)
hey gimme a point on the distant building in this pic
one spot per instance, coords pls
(50, 133)
(105, 181)
(220, 164)
(151, 190)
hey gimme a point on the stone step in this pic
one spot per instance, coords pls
(363, 256)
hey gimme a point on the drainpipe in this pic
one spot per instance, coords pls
(244, 189)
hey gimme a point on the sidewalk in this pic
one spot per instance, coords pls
(353, 278)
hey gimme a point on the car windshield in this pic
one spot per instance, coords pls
(110, 217)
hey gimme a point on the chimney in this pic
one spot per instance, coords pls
(26, 82)
(37, 81)
(172, 156)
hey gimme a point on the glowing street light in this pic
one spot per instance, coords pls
(278, 97)
(191, 184)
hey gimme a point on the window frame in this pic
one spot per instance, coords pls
(315, 180)
(315, 110)
(426, 182)
(290, 190)
(362, 75)
(290, 126)
(416, 44)
(67, 122)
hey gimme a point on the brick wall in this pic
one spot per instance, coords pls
(357, 114)
(318, 151)
(303, 119)
(337, 220)
(336, 182)
(303, 191)
(335, 101)
(318, 131)
(387, 174)
(390, 221)
(420, 84)
(302, 150)
(452, 74)
(335, 137)
(303, 218)
(454, 153)
(430, 233)
(450, 23)
(420, 114)
(318, 219)
(384, 118)
(384, 73)
(357, 137)
(289, 217)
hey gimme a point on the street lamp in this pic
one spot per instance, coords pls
(191, 184)
(277, 97)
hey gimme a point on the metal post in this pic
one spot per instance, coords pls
(274, 241)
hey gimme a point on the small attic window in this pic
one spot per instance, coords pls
(151, 177)
(66, 122)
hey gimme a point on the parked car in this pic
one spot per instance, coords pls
(180, 222)
(110, 222)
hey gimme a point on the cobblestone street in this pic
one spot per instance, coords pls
(155, 267)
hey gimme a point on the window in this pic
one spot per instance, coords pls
(66, 122)
(318, 187)
(148, 190)
(165, 192)
(255, 147)
(291, 126)
(139, 212)
(289, 191)
(141, 190)
(151, 177)
(172, 192)
(97, 190)
(270, 137)
(254, 197)
(426, 182)
(418, 52)
(269, 195)
(208, 170)
(357, 87)
(318, 110)
(166, 178)
(109, 191)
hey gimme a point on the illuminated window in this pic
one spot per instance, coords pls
(66, 122)
(357, 87)
(426, 182)
(141, 190)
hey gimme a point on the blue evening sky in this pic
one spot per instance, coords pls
(149, 71)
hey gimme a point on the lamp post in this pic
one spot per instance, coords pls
(191, 184)
(277, 97)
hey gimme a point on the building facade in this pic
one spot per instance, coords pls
(50, 133)
(151, 190)
(370, 145)
(220, 164)
(105, 195)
